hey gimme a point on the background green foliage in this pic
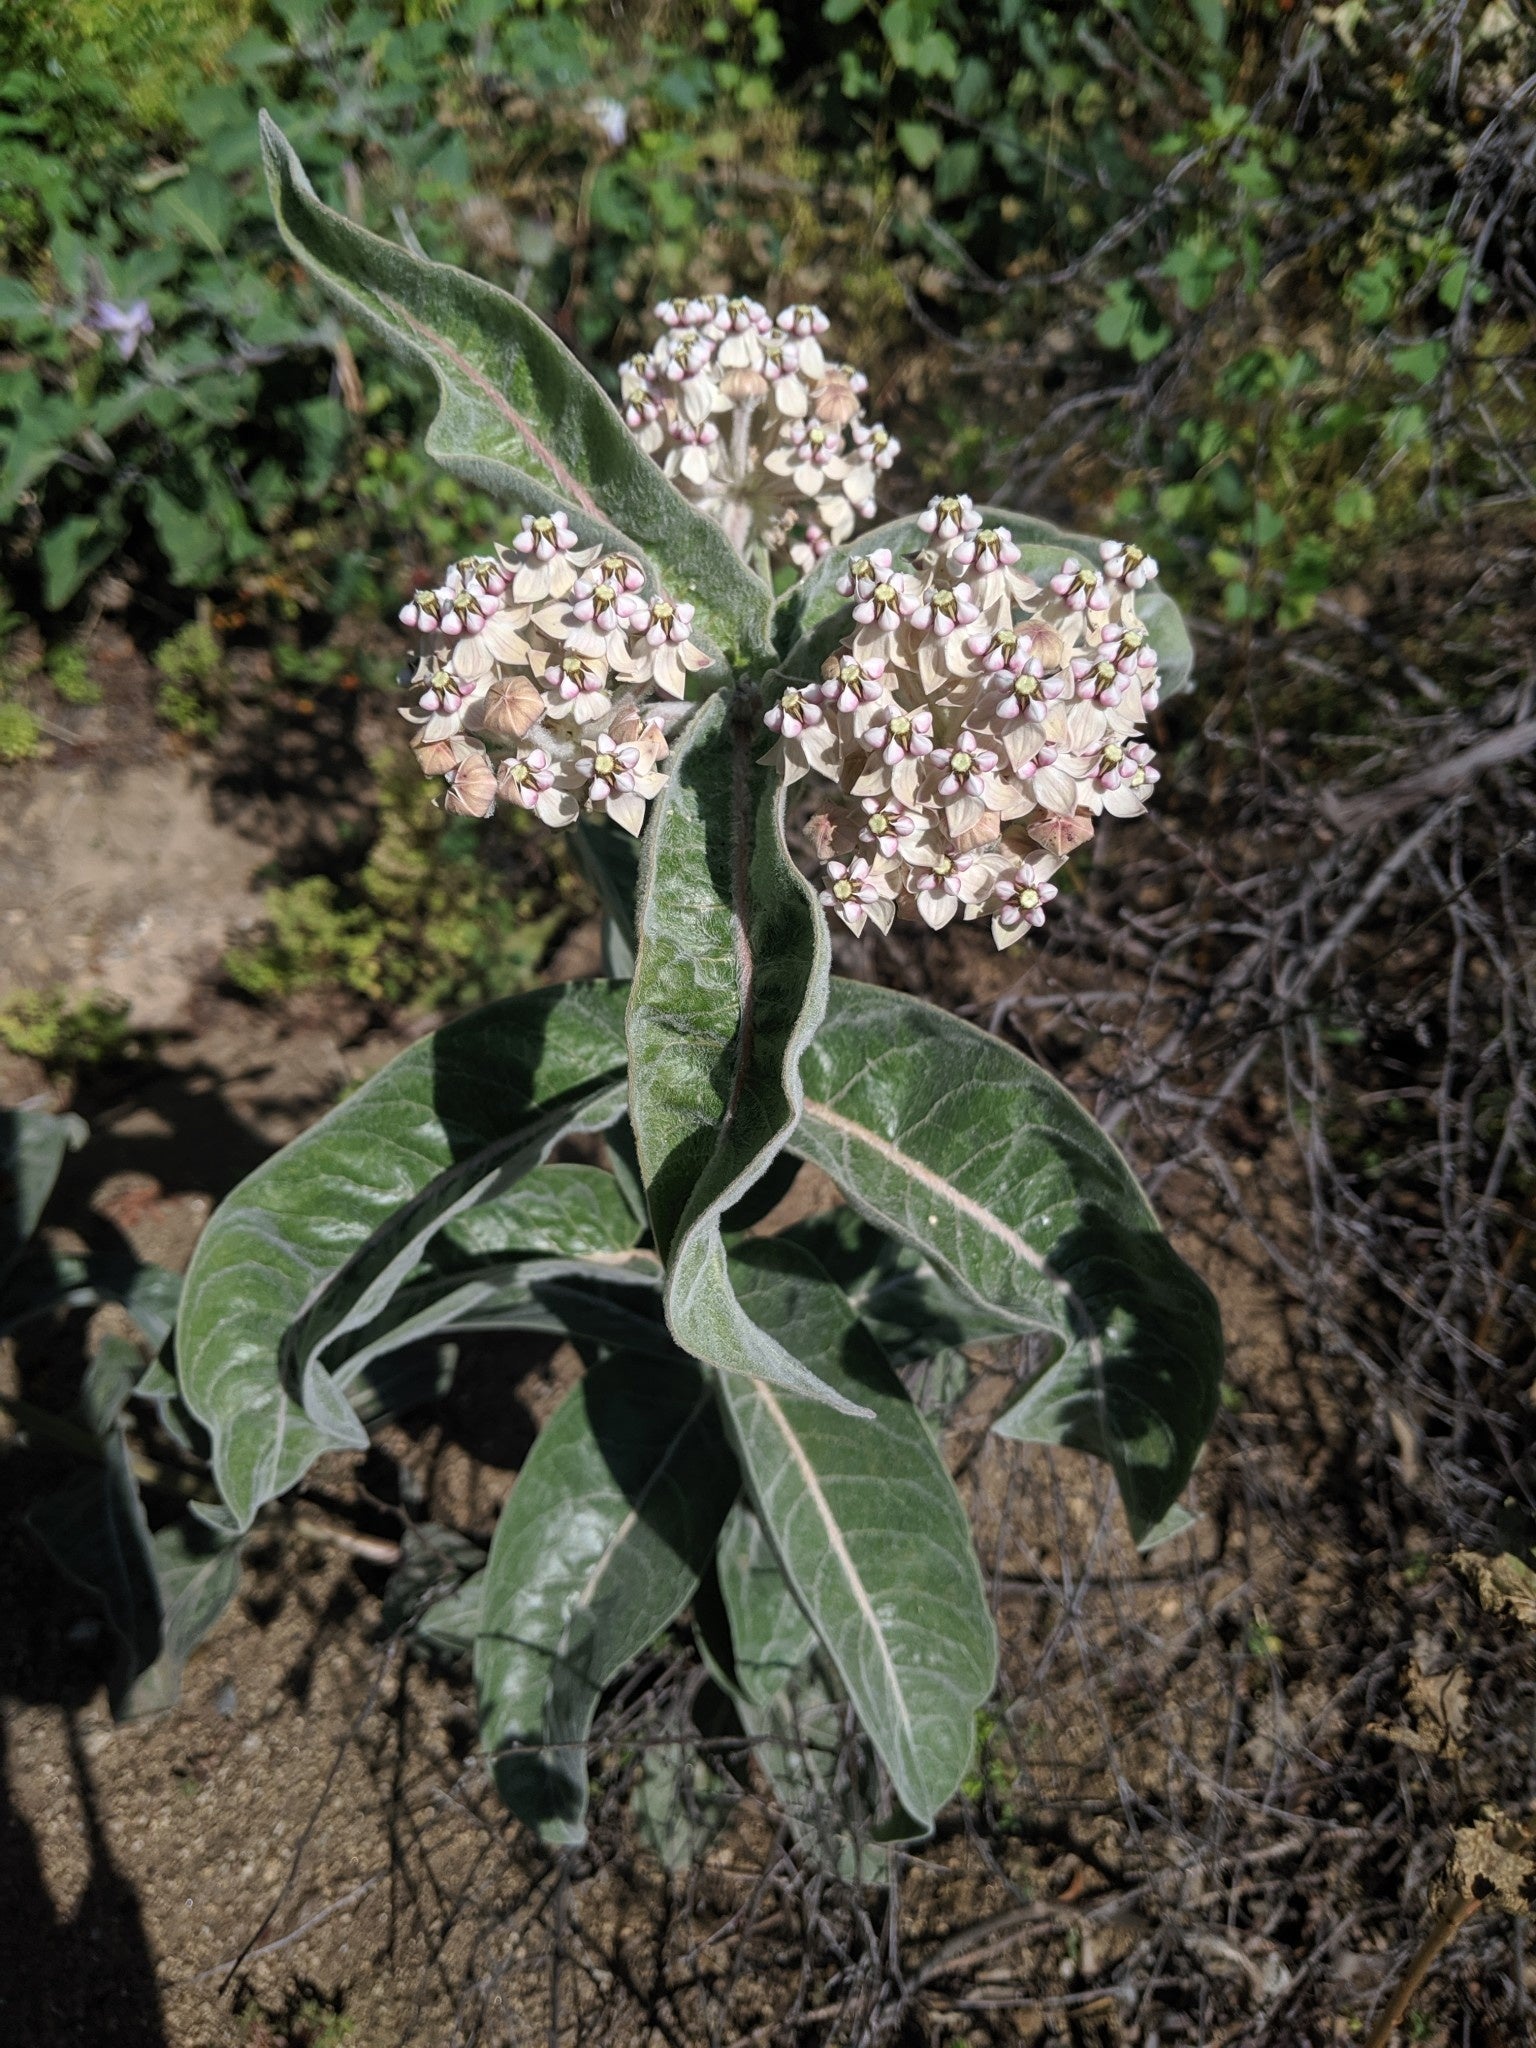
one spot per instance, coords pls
(1057, 177)
(425, 920)
(1201, 270)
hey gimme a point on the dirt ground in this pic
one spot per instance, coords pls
(1218, 1785)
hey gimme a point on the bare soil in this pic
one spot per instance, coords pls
(1219, 1783)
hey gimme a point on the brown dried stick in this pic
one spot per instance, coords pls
(1447, 1923)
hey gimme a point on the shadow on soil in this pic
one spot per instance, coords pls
(84, 1975)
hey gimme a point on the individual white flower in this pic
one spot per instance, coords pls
(1081, 589)
(1125, 778)
(804, 739)
(949, 518)
(850, 686)
(1018, 904)
(856, 895)
(667, 630)
(794, 711)
(942, 877)
(886, 825)
(966, 766)
(1127, 565)
(549, 544)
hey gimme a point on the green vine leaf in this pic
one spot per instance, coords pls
(607, 1532)
(867, 1528)
(730, 983)
(520, 417)
(342, 1201)
(952, 1141)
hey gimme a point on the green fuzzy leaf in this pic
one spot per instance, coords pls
(520, 417)
(867, 1528)
(600, 1546)
(771, 1635)
(374, 1275)
(94, 1530)
(32, 1148)
(197, 1573)
(572, 1212)
(615, 1303)
(346, 1200)
(912, 1313)
(763, 1653)
(1170, 641)
(449, 1626)
(159, 1594)
(952, 1141)
(729, 985)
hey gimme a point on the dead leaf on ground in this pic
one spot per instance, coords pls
(1438, 1702)
(1504, 1585)
(1493, 1859)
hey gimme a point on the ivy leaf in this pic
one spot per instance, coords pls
(439, 1116)
(605, 1536)
(519, 417)
(952, 1141)
(867, 1528)
(729, 985)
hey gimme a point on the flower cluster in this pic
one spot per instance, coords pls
(552, 654)
(975, 723)
(757, 425)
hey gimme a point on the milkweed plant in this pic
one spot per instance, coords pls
(948, 704)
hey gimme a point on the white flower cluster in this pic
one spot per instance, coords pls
(757, 425)
(975, 722)
(550, 653)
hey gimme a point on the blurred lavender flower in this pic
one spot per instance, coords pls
(128, 325)
(610, 120)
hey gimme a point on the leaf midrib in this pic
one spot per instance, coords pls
(497, 400)
(934, 1183)
(838, 1545)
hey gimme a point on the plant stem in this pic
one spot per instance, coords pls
(1447, 1923)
